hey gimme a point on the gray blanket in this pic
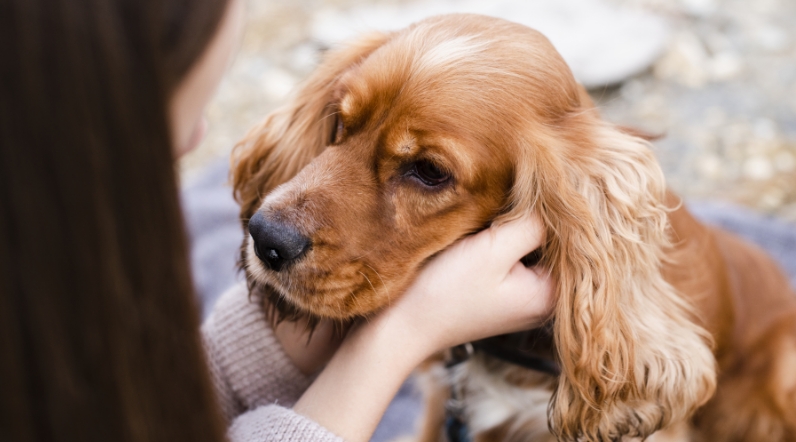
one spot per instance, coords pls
(216, 237)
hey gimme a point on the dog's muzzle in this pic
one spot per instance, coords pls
(276, 243)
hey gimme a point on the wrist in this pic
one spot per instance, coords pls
(392, 342)
(394, 335)
(361, 379)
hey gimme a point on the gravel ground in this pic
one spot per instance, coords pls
(723, 94)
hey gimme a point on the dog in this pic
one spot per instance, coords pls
(401, 143)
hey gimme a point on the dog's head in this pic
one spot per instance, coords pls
(400, 144)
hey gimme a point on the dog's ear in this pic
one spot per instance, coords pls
(290, 137)
(633, 358)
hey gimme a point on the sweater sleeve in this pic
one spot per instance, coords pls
(273, 423)
(255, 380)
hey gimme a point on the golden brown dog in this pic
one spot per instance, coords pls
(400, 144)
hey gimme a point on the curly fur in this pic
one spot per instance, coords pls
(634, 360)
(649, 303)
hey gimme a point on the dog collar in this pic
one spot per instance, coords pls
(531, 349)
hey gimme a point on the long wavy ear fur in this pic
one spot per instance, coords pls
(290, 137)
(633, 357)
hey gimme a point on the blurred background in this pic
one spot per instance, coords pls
(717, 78)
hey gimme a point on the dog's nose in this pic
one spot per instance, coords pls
(276, 243)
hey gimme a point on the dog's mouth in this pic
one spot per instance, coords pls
(341, 291)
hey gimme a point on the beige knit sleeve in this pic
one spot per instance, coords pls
(254, 378)
(273, 423)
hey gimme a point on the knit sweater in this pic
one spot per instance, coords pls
(256, 382)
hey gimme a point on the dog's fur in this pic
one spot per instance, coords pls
(660, 322)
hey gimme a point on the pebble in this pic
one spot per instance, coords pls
(710, 166)
(771, 38)
(700, 8)
(785, 161)
(725, 66)
(758, 168)
(685, 61)
(277, 83)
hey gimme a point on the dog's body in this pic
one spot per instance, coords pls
(742, 299)
(401, 144)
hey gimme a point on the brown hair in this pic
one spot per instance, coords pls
(98, 323)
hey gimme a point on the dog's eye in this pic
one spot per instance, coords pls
(337, 130)
(429, 173)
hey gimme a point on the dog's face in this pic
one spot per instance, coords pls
(396, 186)
(400, 144)
(421, 150)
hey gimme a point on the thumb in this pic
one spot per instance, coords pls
(516, 238)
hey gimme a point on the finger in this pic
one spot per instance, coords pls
(530, 290)
(515, 239)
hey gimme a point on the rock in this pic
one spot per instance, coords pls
(785, 161)
(277, 83)
(725, 66)
(764, 129)
(758, 168)
(685, 61)
(700, 8)
(771, 38)
(710, 166)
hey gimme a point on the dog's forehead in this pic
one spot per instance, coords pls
(489, 73)
(401, 73)
(430, 88)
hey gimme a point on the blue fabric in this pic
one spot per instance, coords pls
(777, 237)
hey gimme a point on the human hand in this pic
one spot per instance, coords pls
(475, 289)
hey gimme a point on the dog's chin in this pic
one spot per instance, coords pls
(304, 302)
(305, 290)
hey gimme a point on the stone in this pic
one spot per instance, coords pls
(758, 168)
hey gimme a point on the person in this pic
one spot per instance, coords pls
(99, 327)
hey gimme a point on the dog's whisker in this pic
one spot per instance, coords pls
(386, 292)
(368, 280)
(364, 254)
